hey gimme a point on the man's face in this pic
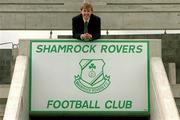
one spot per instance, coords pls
(86, 13)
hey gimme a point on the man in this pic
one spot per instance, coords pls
(86, 26)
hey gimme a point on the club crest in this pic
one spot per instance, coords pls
(92, 78)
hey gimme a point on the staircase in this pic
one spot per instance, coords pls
(7, 60)
(178, 104)
(176, 92)
(174, 79)
(4, 90)
(178, 98)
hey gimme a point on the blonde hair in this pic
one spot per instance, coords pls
(86, 5)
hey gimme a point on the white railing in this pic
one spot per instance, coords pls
(9, 43)
(17, 103)
(163, 106)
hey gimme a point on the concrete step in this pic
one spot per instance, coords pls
(176, 93)
(178, 75)
(2, 109)
(177, 100)
(176, 90)
(4, 91)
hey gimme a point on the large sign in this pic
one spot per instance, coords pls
(110, 77)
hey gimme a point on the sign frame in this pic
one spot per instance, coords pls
(90, 113)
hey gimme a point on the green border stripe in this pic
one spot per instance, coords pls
(90, 113)
(30, 74)
(148, 75)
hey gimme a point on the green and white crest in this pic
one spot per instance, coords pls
(92, 79)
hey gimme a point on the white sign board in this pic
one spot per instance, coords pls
(103, 76)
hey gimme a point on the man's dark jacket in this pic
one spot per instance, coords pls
(94, 26)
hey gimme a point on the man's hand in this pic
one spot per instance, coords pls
(86, 36)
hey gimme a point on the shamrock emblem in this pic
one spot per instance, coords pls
(92, 73)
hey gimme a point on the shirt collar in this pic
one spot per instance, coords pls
(86, 20)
